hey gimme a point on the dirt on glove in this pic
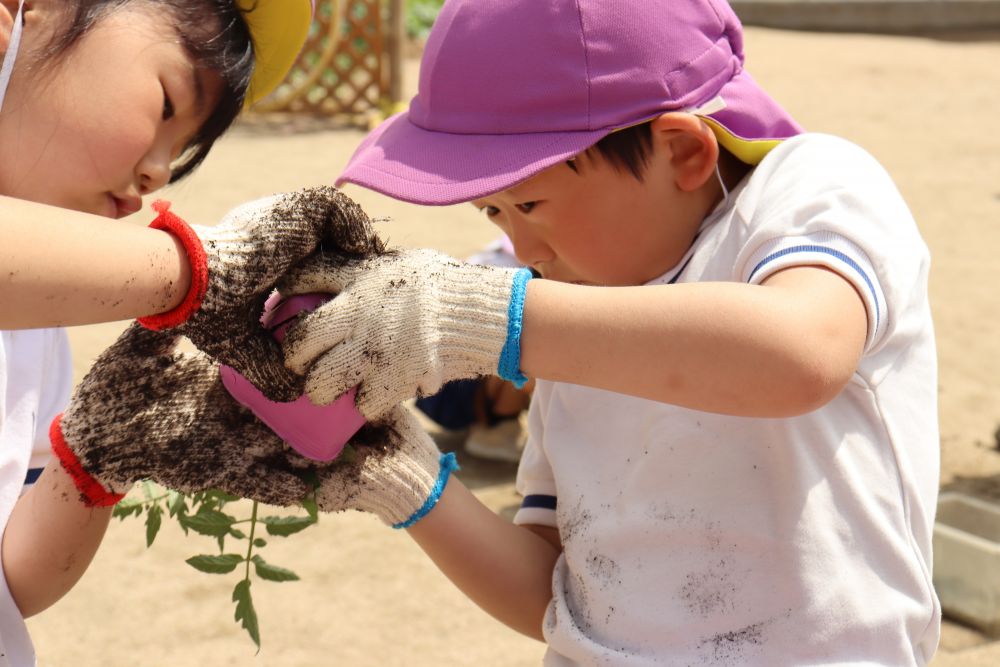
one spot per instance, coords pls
(349, 230)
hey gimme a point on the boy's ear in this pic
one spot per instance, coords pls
(691, 145)
(8, 9)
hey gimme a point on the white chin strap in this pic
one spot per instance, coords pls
(8, 59)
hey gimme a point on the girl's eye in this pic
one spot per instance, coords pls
(490, 211)
(526, 207)
(168, 106)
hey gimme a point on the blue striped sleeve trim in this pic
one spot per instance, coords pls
(833, 253)
(33, 475)
(539, 501)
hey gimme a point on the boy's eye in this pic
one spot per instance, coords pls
(168, 106)
(493, 211)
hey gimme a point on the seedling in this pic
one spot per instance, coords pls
(204, 513)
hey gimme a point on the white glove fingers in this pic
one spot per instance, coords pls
(380, 392)
(336, 372)
(322, 272)
(313, 334)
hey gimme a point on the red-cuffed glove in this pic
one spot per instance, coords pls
(236, 264)
(147, 411)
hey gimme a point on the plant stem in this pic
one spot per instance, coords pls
(253, 526)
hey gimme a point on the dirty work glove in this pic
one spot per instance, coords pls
(235, 265)
(402, 325)
(398, 474)
(146, 411)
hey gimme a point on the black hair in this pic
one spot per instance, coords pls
(625, 150)
(223, 46)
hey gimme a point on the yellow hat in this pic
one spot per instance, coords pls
(279, 29)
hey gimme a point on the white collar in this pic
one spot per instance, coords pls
(8, 59)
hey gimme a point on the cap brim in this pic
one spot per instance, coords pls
(406, 162)
(279, 29)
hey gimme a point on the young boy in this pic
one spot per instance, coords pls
(733, 456)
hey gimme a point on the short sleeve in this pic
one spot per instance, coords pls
(823, 201)
(834, 252)
(57, 385)
(535, 481)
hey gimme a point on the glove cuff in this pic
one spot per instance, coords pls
(92, 491)
(406, 485)
(448, 464)
(198, 261)
(480, 321)
(509, 366)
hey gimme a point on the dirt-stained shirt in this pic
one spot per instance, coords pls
(692, 538)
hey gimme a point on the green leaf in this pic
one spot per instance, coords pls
(286, 525)
(245, 611)
(208, 522)
(223, 564)
(237, 533)
(127, 508)
(153, 521)
(272, 572)
(148, 489)
(259, 542)
(220, 496)
(176, 503)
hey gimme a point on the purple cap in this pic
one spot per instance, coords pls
(511, 87)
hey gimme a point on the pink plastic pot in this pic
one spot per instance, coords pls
(315, 431)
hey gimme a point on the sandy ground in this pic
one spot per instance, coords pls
(367, 596)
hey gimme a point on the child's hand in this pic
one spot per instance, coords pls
(146, 411)
(402, 325)
(397, 473)
(236, 264)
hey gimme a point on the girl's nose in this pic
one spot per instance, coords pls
(154, 170)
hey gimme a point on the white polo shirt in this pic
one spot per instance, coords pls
(693, 538)
(36, 377)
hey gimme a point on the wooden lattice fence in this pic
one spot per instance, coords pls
(350, 63)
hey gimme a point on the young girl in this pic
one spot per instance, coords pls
(101, 103)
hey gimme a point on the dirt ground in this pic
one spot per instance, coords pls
(926, 107)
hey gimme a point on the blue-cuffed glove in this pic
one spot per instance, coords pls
(403, 324)
(397, 472)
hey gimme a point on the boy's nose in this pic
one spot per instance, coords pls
(530, 249)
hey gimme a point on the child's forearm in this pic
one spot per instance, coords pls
(503, 568)
(49, 541)
(778, 349)
(62, 267)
